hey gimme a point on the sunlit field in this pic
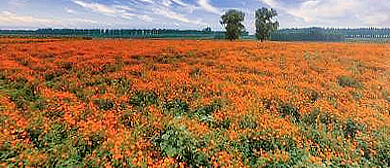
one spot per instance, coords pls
(188, 103)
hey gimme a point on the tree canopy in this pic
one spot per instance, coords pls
(231, 20)
(265, 23)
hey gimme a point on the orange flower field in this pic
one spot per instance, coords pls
(188, 103)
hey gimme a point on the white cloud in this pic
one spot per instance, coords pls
(147, 10)
(124, 7)
(166, 3)
(181, 3)
(97, 7)
(205, 4)
(171, 14)
(321, 9)
(18, 2)
(145, 18)
(13, 19)
(147, 1)
(377, 19)
(122, 11)
(271, 3)
(67, 10)
(339, 13)
(9, 19)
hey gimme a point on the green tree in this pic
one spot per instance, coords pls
(266, 23)
(231, 20)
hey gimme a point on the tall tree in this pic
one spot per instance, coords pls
(266, 23)
(231, 20)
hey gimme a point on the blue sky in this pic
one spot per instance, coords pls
(187, 14)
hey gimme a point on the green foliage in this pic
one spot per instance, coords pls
(7, 152)
(248, 122)
(265, 24)
(176, 107)
(356, 95)
(291, 111)
(104, 104)
(113, 67)
(127, 119)
(308, 34)
(178, 143)
(316, 117)
(54, 113)
(122, 85)
(143, 98)
(53, 75)
(170, 57)
(64, 146)
(224, 124)
(205, 113)
(22, 92)
(346, 81)
(313, 95)
(231, 20)
(67, 65)
(350, 128)
(251, 145)
(207, 110)
(382, 158)
(195, 72)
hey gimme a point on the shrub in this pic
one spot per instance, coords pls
(178, 143)
(313, 95)
(251, 145)
(54, 113)
(89, 144)
(176, 107)
(39, 104)
(382, 157)
(170, 58)
(104, 104)
(49, 76)
(205, 113)
(346, 81)
(122, 85)
(35, 137)
(7, 152)
(67, 65)
(128, 119)
(289, 110)
(112, 67)
(21, 92)
(350, 128)
(225, 123)
(56, 135)
(248, 122)
(269, 103)
(316, 117)
(63, 146)
(195, 72)
(143, 98)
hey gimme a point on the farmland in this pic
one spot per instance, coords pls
(188, 103)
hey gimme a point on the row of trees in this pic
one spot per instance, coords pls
(266, 23)
(206, 33)
(349, 33)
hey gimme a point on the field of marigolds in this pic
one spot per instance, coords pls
(179, 103)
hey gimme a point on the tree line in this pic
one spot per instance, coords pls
(347, 32)
(120, 33)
